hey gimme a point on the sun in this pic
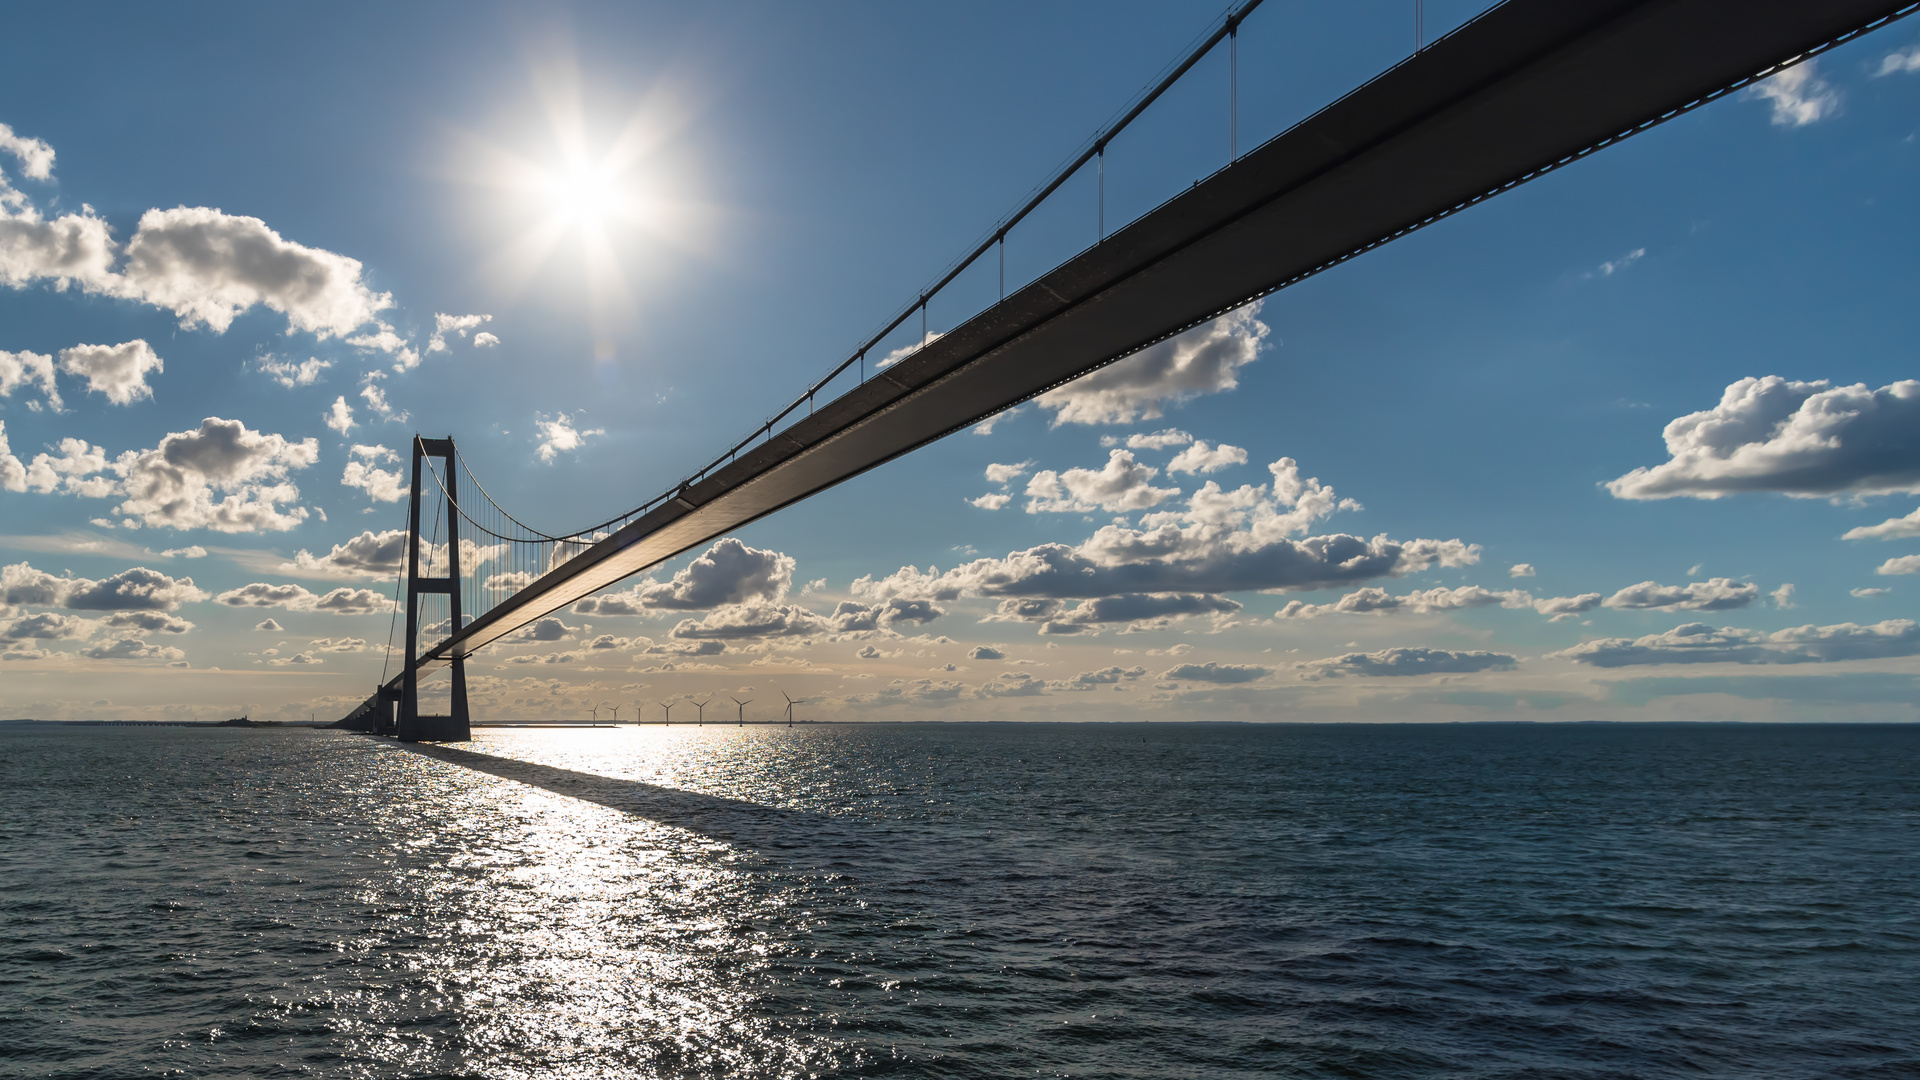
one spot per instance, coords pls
(587, 197)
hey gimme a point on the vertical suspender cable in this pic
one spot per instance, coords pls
(1233, 93)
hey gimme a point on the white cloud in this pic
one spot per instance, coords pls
(34, 155)
(1804, 439)
(209, 266)
(1783, 596)
(1907, 59)
(118, 371)
(376, 399)
(905, 351)
(548, 629)
(991, 501)
(289, 374)
(1164, 439)
(379, 484)
(559, 436)
(1001, 474)
(455, 324)
(174, 484)
(135, 589)
(1211, 672)
(13, 475)
(341, 601)
(485, 340)
(385, 339)
(1201, 458)
(74, 249)
(1204, 360)
(986, 652)
(369, 555)
(29, 369)
(191, 551)
(340, 416)
(1614, 266)
(1698, 643)
(1222, 541)
(1520, 570)
(1799, 95)
(1139, 611)
(1905, 564)
(1899, 528)
(1714, 594)
(1399, 662)
(132, 649)
(48, 626)
(152, 622)
(729, 572)
(1377, 601)
(269, 626)
(1121, 486)
(1865, 593)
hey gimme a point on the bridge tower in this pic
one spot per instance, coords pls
(411, 725)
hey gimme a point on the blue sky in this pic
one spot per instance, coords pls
(231, 238)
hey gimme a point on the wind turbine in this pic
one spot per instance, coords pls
(596, 714)
(791, 702)
(743, 708)
(668, 705)
(616, 712)
(702, 713)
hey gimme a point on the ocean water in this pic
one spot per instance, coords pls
(963, 901)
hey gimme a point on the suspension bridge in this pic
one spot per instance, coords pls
(1524, 88)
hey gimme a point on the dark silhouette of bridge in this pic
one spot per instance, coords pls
(1523, 89)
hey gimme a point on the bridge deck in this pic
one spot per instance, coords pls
(1525, 88)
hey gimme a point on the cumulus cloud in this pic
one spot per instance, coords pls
(379, 484)
(1698, 643)
(1001, 474)
(1120, 487)
(1900, 528)
(47, 626)
(456, 324)
(369, 555)
(174, 485)
(1715, 594)
(1415, 661)
(1164, 439)
(340, 416)
(737, 622)
(1907, 59)
(208, 266)
(289, 374)
(376, 399)
(118, 371)
(986, 652)
(13, 475)
(548, 629)
(135, 589)
(1904, 564)
(29, 369)
(1211, 672)
(1804, 439)
(34, 155)
(484, 340)
(1006, 684)
(269, 626)
(1377, 601)
(1783, 596)
(1202, 458)
(1520, 570)
(1799, 95)
(1204, 360)
(150, 622)
(1221, 541)
(71, 250)
(559, 436)
(991, 501)
(341, 601)
(1139, 611)
(729, 572)
(132, 649)
(297, 658)
(1863, 594)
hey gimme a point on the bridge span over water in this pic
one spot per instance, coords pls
(1523, 89)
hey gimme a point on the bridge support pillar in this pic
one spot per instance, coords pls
(411, 725)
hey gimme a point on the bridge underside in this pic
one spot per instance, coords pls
(1527, 87)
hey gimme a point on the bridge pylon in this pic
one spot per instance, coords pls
(411, 725)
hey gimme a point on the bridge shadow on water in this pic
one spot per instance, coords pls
(732, 820)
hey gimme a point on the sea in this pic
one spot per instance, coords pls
(963, 900)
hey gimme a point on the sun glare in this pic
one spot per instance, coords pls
(586, 197)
